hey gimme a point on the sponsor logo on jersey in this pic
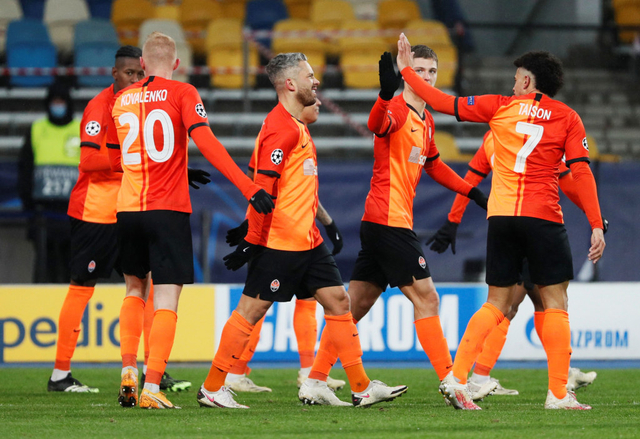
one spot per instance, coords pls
(276, 156)
(471, 100)
(422, 262)
(309, 167)
(416, 156)
(200, 110)
(275, 285)
(92, 128)
(91, 267)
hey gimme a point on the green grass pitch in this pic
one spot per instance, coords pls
(28, 410)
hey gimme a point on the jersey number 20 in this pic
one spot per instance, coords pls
(161, 116)
(535, 134)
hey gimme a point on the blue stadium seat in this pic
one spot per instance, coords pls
(96, 30)
(263, 14)
(33, 9)
(28, 45)
(95, 55)
(100, 8)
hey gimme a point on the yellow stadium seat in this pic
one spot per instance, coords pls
(448, 148)
(308, 44)
(427, 32)
(628, 15)
(447, 65)
(233, 8)
(127, 19)
(395, 14)
(224, 46)
(360, 54)
(300, 9)
(168, 11)
(195, 16)
(328, 15)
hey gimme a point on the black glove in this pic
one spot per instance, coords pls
(262, 202)
(197, 176)
(444, 236)
(241, 255)
(389, 79)
(234, 236)
(479, 197)
(335, 236)
(605, 225)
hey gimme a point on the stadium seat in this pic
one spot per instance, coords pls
(195, 16)
(167, 11)
(395, 14)
(233, 9)
(95, 54)
(427, 32)
(61, 17)
(360, 53)
(263, 15)
(96, 30)
(10, 10)
(595, 155)
(328, 15)
(447, 65)
(309, 44)
(628, 14)
(174, 30)
(300, 9)
(225, 58)
(28, 45)
(127, 19)
(448, 148)
(100, 8)
(32, 9)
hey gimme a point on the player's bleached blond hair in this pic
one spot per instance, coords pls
(159, 49)
(281, 63)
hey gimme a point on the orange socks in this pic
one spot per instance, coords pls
(557, 344)
(240, 367)
(234, 339)
(148, 321)
(538, 322)
(131, 321)
(432, 339)
(343, 334)
(69, 324)
(305, 326)
(492, 349)
(478, 329)
(325, 359)
(163, 332)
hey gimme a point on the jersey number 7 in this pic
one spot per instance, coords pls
(535, 132)
(133, 158)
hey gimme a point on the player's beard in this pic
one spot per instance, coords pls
(306, 97)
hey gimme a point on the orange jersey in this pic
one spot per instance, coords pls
(480, 167)
(400, 152)
(93, 198)
(153, 119)
(531, 135)
(285, 164)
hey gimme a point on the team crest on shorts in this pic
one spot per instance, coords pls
(276, 156)
(91, 266)
(92, 128)
(422, 262)
(201, 111)
(275, 285)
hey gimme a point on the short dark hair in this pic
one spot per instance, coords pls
(422, 51)
(282, 62)
(546, 68)
(129, 52)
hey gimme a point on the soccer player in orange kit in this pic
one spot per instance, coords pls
(532, 133)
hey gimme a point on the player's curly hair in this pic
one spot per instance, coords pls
(546, 68)
(129, 52)
(422, 51)
(281, 62)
